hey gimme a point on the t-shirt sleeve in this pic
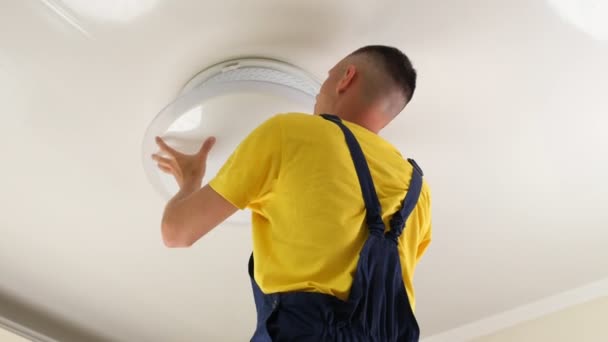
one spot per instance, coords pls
(253, 168)
(426, 232)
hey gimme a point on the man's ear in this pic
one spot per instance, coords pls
(347, 79)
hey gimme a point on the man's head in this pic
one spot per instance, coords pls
(370, 86)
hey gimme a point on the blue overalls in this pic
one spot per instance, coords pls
(378, 308)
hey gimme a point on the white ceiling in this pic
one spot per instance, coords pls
(508, 123)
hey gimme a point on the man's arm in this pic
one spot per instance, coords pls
(193, 213)
(249, 173)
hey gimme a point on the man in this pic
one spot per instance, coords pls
(330, 199)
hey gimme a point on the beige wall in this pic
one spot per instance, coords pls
(586, 322)
(12, 312)
(7, 336)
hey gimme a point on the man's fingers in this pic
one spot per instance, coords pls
(207, 146)
(165, 168)
(164, 147)
(162, 160)
(168, 163)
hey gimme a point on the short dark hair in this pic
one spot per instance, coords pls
(396, 64)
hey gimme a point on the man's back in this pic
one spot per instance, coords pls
(308, 212)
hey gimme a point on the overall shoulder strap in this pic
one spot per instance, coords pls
(372, 204)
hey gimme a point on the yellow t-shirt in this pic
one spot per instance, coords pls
(296, 174)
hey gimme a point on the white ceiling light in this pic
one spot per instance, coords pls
(590, 16)
(227, 100)
(111, 10)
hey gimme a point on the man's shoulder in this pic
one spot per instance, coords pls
(294, 118)
(294, 124)
(283, 121)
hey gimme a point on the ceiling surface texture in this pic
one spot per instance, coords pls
(509, 123)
